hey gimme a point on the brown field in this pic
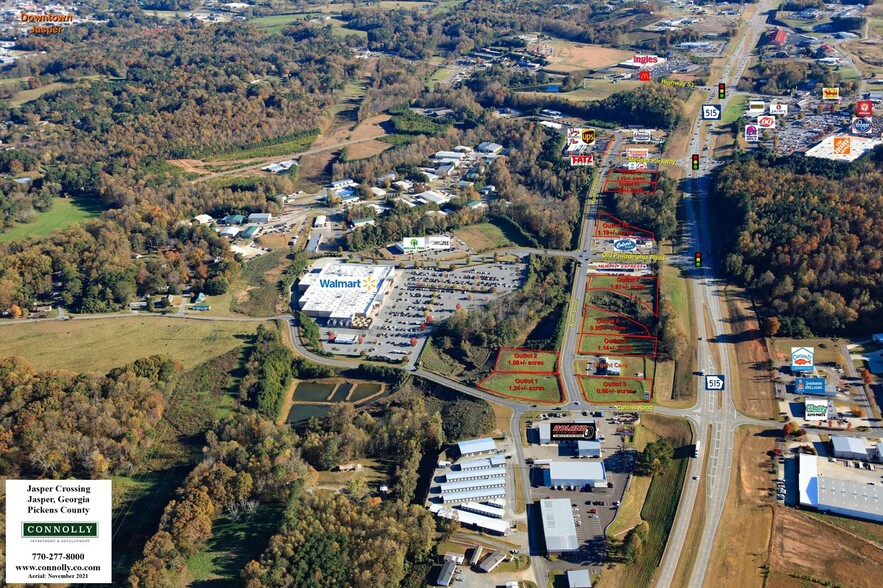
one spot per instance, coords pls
(370, 128)
(366, 149)
(742, 542)
(754, 394)
(868, 54)
(277, 241)
(570, 56)
(189, 165)
(679, 140)
(806, 546)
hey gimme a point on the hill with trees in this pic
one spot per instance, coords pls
(804, 234)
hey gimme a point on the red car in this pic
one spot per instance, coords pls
(593, 510)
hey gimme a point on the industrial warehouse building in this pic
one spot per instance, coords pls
(471, 495)
(588, 448)
(576, 473)
(476, 447)
(475, 474)
(483, 463)
(448, 487)
(828, 493)
(849, 447)
(347, 295)
(559, 529)
(470, 519)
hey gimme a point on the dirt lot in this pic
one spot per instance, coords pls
(743, 536)
(366, 149)
(754, 395)
(803, 545)
(569, 56)
(370, 128)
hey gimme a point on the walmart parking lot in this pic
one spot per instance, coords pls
(420, 298)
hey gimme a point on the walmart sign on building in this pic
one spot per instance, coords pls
(411, 244)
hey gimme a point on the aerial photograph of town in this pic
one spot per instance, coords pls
(468, 293)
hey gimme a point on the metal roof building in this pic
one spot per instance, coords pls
(567, 473)
(475, 474)
(849, 447)
(469, 495)
(471, 519)
(844, 497)
(476, 446)
(260, 217)
(588, 448)
(249, 232)
(483, 463)
(558, 526)
(448, 487)
(492, 561)
(446, 574)
(579, 579)
(482, 509)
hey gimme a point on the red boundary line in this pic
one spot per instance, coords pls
(653, 357)
(580, 378)
(622, 223)
(642, 325)
(654, 309)
(654, 180)
(524, 398)
(502, 349)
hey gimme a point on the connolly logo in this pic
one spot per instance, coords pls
(59, 529)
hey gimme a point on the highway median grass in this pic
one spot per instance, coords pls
(660, 506)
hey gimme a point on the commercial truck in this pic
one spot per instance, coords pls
(696, 449)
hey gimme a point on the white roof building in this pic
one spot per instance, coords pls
(230, 232)
(476, 446)
(475, 474)
(488, 147)
(849, 447)
(473, 495)
(830, 494)
(483, 463)
(260, 217)
(578, 579)
(344, 291)
(484, 523)
(379, 192)
(857, 146)
(558, 526)
(203, 219)
(433, 196)
(452, 155)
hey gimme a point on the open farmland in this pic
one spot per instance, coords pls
(99, 345)
(568, 56)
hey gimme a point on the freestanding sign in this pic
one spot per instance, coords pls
(803, 359)
(714, 382)
(816, 410)
(811, 386)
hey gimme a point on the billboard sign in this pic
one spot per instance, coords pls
(756, 106)
(816, 410)
(625, 244)
(752, 134)
(411, 244)
(581, 160)
(811, 386)
(861, 126)
(573, 432)
(711, 112)
(842, 146)
(778, 108)
(830, 93)
(803, 359)
(641, 152)
(864, 108)
(581, 137)
(766, 122)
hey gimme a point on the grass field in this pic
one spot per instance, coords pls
(617, 344)
(570, 56)
(734, 110)
(287, 147)
(527, 361)
(87, 345)
(642, 289)
(64, 212)
(539, 387)
(366, 149)
(25, 96)
(607, 389)
(829, 353)
(598, 321)
(629, 513)
(486, 237)
(660, 505)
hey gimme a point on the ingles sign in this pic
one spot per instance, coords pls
(572, 432)
(645, 59)
(803, 359)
